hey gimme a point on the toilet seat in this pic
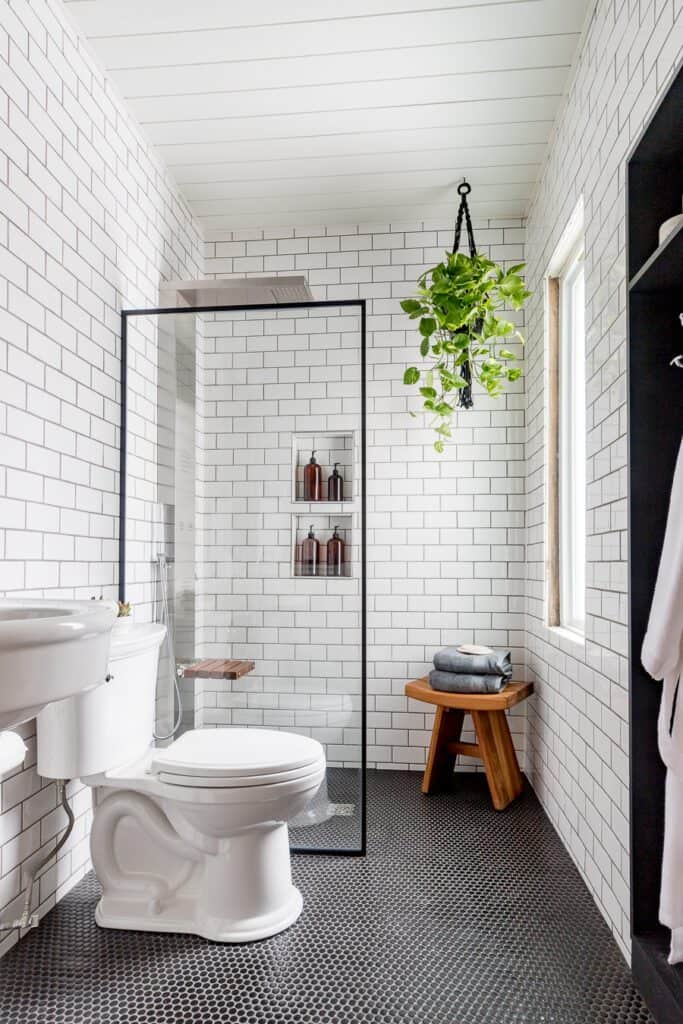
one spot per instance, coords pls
(237, 758)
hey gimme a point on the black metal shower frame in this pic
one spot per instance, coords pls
(359, 304)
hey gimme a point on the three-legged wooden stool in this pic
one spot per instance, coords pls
(494, 743)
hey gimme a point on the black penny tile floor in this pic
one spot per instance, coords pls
(458, 915)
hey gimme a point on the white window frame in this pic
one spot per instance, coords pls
(572, 441)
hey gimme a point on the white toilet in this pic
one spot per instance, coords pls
(187, 838)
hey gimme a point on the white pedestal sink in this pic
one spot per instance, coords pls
(50, 649)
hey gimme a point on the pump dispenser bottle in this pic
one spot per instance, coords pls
(310, 554)
(335, 554)
(313, 480)
(335, 485)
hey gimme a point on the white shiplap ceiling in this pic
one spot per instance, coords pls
(340, 111)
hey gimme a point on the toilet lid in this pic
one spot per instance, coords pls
(236, 753)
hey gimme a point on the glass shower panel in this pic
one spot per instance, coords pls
(158, 525)
(225, 408)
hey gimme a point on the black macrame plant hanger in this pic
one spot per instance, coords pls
(465, 400)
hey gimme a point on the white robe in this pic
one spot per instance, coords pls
(662, 656)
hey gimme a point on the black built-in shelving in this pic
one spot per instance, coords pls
(655, 336)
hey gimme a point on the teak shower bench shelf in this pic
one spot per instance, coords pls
(215, 668)
(494, 744)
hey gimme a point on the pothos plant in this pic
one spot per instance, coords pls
(457, 306)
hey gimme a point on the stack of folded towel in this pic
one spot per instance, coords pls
(458, 671)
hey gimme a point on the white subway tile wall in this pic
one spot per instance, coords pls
(89, 223)
(445, 534)
(578, 735)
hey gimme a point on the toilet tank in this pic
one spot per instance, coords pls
(112, 724)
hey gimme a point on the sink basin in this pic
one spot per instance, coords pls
(50, 649)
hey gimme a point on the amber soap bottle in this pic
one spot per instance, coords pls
(310, 554)
(335, 554)
(335, 485)
(313, 480)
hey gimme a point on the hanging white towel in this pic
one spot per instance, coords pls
(662, 656)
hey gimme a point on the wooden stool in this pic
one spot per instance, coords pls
(494, 743)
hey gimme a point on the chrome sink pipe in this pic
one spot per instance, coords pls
(28, 919)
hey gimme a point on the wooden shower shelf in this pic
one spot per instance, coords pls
(215, 668)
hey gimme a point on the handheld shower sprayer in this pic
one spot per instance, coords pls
(163, 562)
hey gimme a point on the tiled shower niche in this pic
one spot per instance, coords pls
(330, 447)
(323, 528)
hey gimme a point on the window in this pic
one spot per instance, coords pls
(567, 440)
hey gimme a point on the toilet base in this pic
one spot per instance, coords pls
(182, 917)
(237, 888)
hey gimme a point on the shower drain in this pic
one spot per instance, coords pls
(342, 810)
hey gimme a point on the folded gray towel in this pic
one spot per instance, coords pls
(457, 682)
(498, 663)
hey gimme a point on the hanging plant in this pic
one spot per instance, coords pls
(462, 336)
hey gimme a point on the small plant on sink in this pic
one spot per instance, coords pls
(125, 609)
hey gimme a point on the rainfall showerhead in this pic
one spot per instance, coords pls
(236, 291)
(290, 289)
